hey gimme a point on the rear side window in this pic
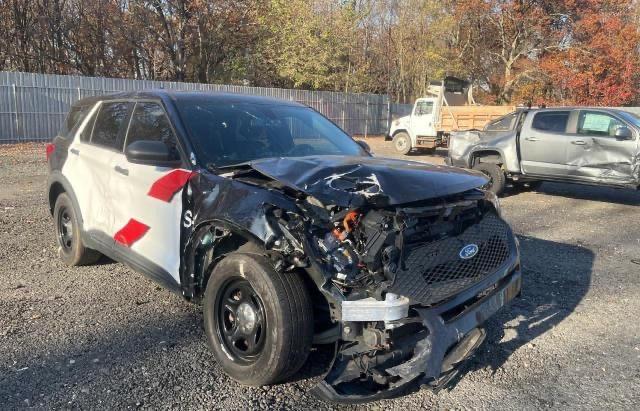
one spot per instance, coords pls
(110, 123)
(555, 121)
(149, 122)
(85, 135)
(505, 123)
(73, 120)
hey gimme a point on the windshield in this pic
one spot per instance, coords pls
(630, 117)
(233, 133)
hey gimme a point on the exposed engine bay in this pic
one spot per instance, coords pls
(367, 254)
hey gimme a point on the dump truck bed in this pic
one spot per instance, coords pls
(456, 118)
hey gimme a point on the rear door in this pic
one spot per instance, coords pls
(88, 166)
(595, 154)
(543, 143)
(148, 198)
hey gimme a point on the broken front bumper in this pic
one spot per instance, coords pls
(453, 334)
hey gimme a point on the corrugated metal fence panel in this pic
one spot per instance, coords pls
(33, 106)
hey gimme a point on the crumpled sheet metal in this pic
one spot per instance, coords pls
(355, 181)
(463, 144)
(606, 163)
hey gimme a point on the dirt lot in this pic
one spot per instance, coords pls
(106, 337)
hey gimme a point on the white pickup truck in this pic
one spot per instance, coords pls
(449, 107)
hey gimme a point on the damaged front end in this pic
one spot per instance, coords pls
(409, 271)
(415, 284)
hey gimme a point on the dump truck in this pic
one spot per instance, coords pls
(448, 107)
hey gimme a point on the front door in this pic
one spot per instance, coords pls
(148, 198)
(422, 120)
(596, 155)
(543, 143)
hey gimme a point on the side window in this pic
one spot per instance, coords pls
(424, 107)
(595, 123)
(149, 122)
(554, 121)
(73, 119)
(109, 123)
(85, 135)
(502, 124)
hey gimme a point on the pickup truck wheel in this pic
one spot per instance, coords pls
(70, 248)
(497, 179)
(258, 322)
(402, 143)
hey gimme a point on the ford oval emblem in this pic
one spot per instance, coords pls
(468, 251)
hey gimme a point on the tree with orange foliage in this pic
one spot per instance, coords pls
(599, 64)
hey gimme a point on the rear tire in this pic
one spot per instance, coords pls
(497, 178)
(402, 143)
(70, 248)
(258, 322)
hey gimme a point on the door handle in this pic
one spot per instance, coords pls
(578, 142)
(532, 139)
(121, 170)
(74, 151)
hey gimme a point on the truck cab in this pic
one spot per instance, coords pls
(417, 129)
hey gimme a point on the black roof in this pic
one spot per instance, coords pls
(177, 96)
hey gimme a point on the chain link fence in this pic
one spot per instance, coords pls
(33, 106)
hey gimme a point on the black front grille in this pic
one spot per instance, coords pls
(434, 271)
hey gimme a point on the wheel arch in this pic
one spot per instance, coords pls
(209, 243)
(58, 184)
(494, 156)
(400, 130)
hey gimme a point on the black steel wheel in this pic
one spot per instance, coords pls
(65, 229)
(67, 225)
(241, 320)
(258, 322)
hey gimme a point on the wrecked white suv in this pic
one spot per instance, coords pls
(289, 233)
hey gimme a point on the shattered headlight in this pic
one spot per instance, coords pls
(493, 199)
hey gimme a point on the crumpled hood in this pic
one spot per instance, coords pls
(353, 181)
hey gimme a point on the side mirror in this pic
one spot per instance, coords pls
(150, 152)
(364, 146)
(623, 133)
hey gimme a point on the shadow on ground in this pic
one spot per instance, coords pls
(623, 196)
(557, 276)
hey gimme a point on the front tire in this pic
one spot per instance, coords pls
(497, 178)
(402, 143)
(70, 248)
(258, 322)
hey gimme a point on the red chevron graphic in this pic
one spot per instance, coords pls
(168, 185)
(131, 232)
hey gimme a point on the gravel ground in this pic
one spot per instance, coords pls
(106, 337)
